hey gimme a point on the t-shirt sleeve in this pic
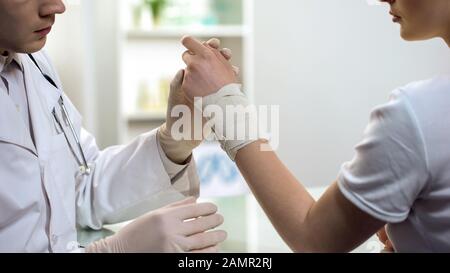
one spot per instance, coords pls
(389, 169)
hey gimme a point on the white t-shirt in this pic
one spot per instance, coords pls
(401, 170)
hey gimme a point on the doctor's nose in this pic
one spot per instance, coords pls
(51, 7)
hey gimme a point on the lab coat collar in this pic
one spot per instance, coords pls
(12, 127)
(42, 99)
(36, 81)
(10, 58)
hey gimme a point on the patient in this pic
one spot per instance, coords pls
(399, 176)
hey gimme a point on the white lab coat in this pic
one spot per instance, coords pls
(43, 198)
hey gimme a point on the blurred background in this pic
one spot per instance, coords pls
(326, 63)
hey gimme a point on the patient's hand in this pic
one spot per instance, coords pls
(207, 69)
(180, 150)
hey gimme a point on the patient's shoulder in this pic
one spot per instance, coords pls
(433, 88)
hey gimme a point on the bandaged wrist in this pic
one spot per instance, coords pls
(231, 117)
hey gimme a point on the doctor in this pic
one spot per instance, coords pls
(53, 177)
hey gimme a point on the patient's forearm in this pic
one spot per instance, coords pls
(283, 198)
(332, 224)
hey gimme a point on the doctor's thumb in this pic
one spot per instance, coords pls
(178, 79)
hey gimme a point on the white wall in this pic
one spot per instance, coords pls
(327, 63)
(66, 45)
(83, 46)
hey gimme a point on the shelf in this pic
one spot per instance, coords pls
(146, 116)
(197, 31)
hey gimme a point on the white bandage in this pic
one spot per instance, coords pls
(231, 117)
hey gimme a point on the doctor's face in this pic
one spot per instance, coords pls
(421, 19)
(24, 24)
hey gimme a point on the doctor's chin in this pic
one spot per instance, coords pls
(230, 127)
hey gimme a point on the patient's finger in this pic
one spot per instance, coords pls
(227, 53)
(214, 43)
(188, 57)
(236, 70)
(193, 45)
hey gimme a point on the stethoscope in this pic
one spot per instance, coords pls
(84, 168)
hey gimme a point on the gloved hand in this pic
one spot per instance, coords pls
(179, 151)
(180, 227)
